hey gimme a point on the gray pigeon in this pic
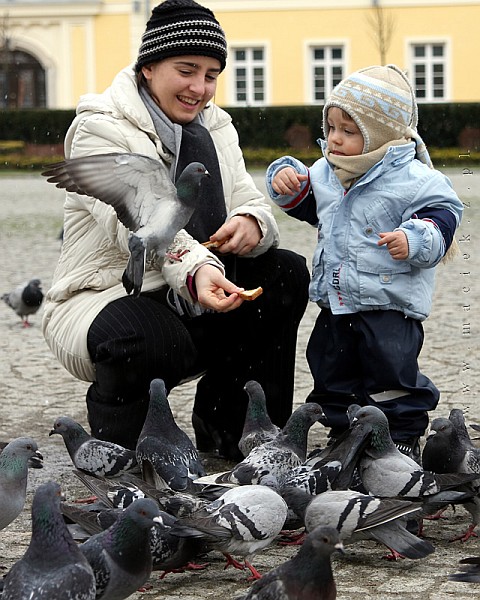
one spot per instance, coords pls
(306, 576)
(358, 516)
(449, 449)
(165, 453)
(92, 455)
(243, 521)
(271, 462)
(25, 299)
(258, 428)
(15, 458)
(145, 199)
(384, 470)
(121, 556)
(470, 570)
(53, 567)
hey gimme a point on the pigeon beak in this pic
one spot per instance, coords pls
(52, 432)
(158, 520)
(35, 462)
(340, 548)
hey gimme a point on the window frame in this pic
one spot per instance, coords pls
(428, 61)
(309, 47)
(249, 46)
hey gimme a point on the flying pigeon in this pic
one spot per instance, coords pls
(142, 194)
(307, 575)
(358, 516)
(449, 449)
(121, 556)
(15, 458)
(470, 570)
(243, 521)
(92, 455)
(270, 462)
(165, 453)
(25, 299)
(53, 565)
(258, 428)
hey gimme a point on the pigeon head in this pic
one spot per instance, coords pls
(19, 454)
(190, 181)
(67, 427)
(32, 295)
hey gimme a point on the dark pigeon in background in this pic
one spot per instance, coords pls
(306, 576)
(258, 427)
(25, 299)
(53, 567)
(165, 453)
(92, 455)
(15, 459)
(449, 449)
(142, 194)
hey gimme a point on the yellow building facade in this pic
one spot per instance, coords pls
(281, 52)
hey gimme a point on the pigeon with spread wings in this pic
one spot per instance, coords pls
(145, 199)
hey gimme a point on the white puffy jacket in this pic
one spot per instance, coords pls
(95, 246)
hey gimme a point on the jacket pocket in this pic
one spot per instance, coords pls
(382, 280)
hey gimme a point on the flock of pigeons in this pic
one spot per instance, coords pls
(155, 508)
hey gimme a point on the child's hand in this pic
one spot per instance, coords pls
(287, 182)
(397, 244)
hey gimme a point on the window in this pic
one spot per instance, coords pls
(429, 71)
(22, 80)
(328, 67)
(249, 76)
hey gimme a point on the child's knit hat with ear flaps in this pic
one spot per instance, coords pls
(380, 100)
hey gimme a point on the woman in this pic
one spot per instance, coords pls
(189, 318)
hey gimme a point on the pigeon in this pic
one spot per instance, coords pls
(270, 462)
(165, 453)
(15, 458)
(243, 521)
(258, 428)
(470, 570)
(384, 470)
(306, 576)
(25, 299)
(121, 556)
(142, 194)
(358, 516)
(169, 553)
(92, 455)
(53, 567)
(449, 449)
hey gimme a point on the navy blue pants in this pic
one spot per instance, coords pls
(371, 358)
(134, 340)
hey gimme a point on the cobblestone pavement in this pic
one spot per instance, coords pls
(34, 389)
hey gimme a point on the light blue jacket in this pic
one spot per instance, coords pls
(351, 273)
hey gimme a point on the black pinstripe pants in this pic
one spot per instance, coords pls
(134, 340)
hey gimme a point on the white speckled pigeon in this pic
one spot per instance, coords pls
(306, 576)
(15, 458)
(243, 521)
(25, 299)
(258, 428)
(92, 455)
(121, 555)
(270, 462)
(165, 453)
(145, 199)
(53, 567)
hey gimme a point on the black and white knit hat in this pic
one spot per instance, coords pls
(181, 27)
(380, 100)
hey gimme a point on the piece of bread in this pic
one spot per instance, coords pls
(251, 294)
